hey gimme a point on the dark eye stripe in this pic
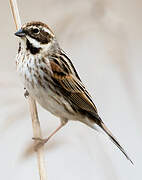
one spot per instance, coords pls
(42, 37)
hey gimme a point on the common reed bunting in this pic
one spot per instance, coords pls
(51, 79)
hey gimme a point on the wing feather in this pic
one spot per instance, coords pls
(68, 82)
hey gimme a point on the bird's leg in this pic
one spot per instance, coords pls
(41, 142)
(26, 94)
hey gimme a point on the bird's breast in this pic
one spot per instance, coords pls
(35, 73)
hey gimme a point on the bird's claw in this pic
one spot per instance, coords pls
(39, 142)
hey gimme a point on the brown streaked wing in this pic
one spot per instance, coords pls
(78, 94)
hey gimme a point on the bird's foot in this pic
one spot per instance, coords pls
(39, 142)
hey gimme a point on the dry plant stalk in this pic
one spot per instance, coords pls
(32, 104)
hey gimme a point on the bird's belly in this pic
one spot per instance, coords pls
(52, 102)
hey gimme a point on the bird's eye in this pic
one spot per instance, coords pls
(35, 31)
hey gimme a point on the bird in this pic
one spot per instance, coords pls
(50, 77)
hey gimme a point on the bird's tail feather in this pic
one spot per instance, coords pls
(112, 138)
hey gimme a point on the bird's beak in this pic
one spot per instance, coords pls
(20, 33)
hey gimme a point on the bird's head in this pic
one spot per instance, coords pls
(37, 36)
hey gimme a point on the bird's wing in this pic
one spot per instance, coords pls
(72, 87)
(66, 77)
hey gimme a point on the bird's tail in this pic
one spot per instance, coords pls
(112, 138)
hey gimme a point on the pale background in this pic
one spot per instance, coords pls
(104, 40)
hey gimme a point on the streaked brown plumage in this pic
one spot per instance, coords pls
(50, 77)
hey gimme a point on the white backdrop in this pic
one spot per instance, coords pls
(104, 39)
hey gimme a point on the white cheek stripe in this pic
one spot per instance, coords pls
(34, 42)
